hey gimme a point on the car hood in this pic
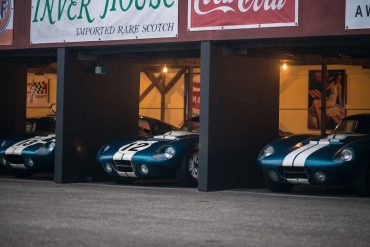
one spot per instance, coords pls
(155, 142)
(29, 142)
(314, 150)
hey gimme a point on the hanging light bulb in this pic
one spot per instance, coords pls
(165, 69)
(284, 67)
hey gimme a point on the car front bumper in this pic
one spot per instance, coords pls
(337, 173)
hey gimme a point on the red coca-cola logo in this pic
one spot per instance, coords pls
(231, 14)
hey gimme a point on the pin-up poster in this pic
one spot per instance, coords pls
(334, 98)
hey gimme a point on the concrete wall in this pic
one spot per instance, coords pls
(12, 98)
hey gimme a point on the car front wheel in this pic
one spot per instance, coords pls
(187, 174)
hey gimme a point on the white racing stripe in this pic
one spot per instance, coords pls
(173, 135)
(302, 157)
(289, 159)
(17, 148)
(299, 156)
(127, 151)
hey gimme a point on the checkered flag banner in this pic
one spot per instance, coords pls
(39, 87)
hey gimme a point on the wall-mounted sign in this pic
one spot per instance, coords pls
(101, 20)
(6, 22)
(357, 14)
(196, 95)
(38, 91)
(238, 14)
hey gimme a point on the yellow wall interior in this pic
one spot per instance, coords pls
(294, 94)
(43, 111)
(174, 107)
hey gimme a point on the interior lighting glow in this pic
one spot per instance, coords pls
(165, 69)
(285, 66)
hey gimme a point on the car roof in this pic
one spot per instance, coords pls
(364, 116)
(154, 119)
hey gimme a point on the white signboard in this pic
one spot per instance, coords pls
(357, 14)
(54, 21)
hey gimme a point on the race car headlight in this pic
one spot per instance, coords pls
(28, 162)
(51, 146)
(346, 154)
(46, 149)
(267, 151)
(108, 168)
(169, 152)
(164, 154)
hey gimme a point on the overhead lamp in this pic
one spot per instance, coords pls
(285, 66)
(100, 70)
(165, 69)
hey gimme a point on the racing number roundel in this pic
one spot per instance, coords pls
(5, 14)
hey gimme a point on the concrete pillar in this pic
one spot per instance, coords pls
(239, 115)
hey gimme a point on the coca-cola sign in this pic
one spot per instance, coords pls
(236, 14)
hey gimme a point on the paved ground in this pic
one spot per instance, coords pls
(42, 213)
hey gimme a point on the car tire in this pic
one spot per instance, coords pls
(21, 173)
(123, 180)
(361, 180)
(276, 186)
(187, 173)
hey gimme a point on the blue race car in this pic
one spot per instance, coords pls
(32, 152)
(174, 153)
(340, 158)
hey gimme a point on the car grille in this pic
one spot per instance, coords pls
(14, 159)
(123, 166)
(294, 172)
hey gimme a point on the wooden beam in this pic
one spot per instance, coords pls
(163, 100)
(174, 80)
(156, 81)
(147, 91)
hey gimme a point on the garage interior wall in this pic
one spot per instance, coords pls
(32, 112)
(174, 107)
(12, 98)
(294, 95)
(92, 109)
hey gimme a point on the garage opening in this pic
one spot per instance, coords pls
(113, 86)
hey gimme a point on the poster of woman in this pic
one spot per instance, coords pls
(334, 97)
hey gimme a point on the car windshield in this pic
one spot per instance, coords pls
(353, 126)
(191, 125)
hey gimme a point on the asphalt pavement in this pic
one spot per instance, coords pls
(42, 213)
